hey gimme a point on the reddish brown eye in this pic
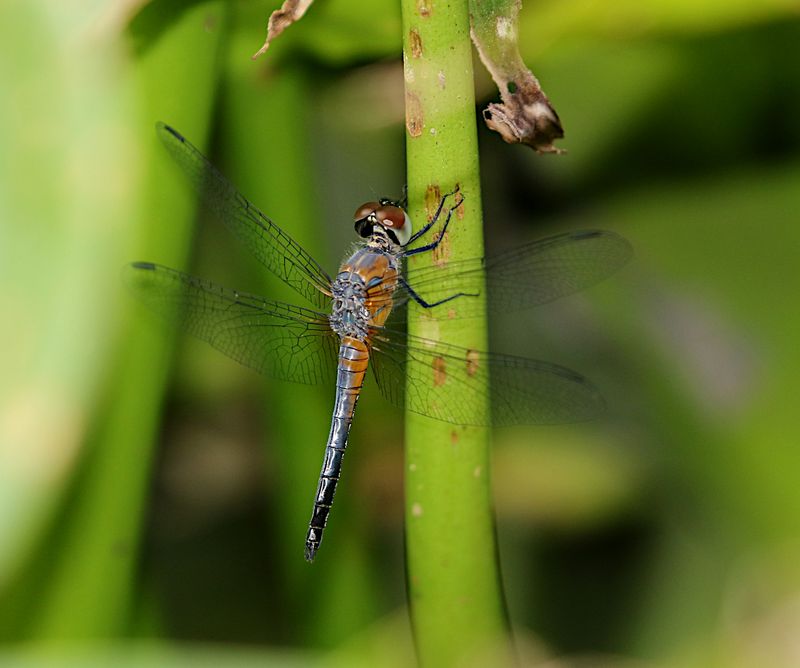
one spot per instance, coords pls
(391, 216)
(365, 210)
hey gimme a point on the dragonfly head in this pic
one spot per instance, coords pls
(386, 218)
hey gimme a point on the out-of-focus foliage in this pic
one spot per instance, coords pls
(136, 500)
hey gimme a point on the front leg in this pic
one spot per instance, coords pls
(431, 246)
(436, 215)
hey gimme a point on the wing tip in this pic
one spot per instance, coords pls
(625, 247)
(587, 234)
(146, 266)
(137, 275)
(162, 128)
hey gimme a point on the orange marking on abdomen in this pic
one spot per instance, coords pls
(355, 361)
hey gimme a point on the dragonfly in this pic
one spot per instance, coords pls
(356, 318)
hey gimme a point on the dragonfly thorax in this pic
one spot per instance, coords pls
(381, 240)
(349, 314)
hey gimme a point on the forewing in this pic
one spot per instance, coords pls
(452, 384)
(281, 340)
(532, 274)
(275, 249)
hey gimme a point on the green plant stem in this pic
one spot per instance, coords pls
(455, 595)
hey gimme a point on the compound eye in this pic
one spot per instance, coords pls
(366, 210)
(395, 219)
(390, 216)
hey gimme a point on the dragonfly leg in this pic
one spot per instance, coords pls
(436, 215)
(438, 240)
(403, 202)
(412, 293)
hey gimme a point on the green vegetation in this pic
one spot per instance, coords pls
(154, 495)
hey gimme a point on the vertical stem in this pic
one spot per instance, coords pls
(454, 586)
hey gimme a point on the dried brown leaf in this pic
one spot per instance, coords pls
(280, 19)
(525, 115)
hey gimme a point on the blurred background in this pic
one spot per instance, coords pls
(154, 495)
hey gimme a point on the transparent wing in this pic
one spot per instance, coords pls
(281, 340)
(275, 249)
(451, 383)
(534, 273)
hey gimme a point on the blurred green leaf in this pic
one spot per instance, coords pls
(143, 655)
(68, 202)
(102, 203)
(544, 22)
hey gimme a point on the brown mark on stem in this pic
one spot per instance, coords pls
(415, 42)
(439, 371)
(454, 437)
(472, 362)
(414, 117)
(441, 254)
(433, 196)
(424, 8)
